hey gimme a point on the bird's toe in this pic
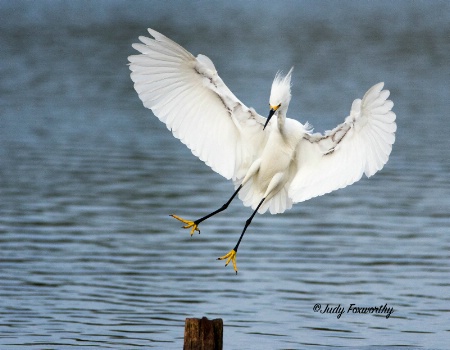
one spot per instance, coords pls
(189, 224)
(230, 256)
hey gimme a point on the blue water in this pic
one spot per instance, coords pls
(89, 257)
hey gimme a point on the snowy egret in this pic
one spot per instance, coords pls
(273, 162)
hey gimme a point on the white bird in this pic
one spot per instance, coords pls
(273, 162)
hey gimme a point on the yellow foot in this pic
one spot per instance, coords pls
(189, 224)
(231, 256)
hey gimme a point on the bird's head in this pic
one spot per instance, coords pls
(280, 95)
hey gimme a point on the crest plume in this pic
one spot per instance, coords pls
(281, 88)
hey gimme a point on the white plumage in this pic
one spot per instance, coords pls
(187, 94)
(272, 167)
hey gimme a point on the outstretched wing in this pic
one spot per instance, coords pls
(361, 144)
(187, 94)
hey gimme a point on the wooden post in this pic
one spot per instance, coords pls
(203, 334)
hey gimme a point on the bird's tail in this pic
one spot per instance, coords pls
(251, 196)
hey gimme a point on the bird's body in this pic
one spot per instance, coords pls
(273, 162)
(272, 172)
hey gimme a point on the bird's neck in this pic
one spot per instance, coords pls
(281, 118)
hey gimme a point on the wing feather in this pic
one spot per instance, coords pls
(360, 145)
(187, 94)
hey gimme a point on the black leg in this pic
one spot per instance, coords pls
(222, 208)
(231, 255)
(193, 225)
(247, 224)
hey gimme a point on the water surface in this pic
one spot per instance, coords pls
(89, 256)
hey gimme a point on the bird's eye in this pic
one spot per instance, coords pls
(274, 107)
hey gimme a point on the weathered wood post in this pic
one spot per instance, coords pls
(203, 334)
